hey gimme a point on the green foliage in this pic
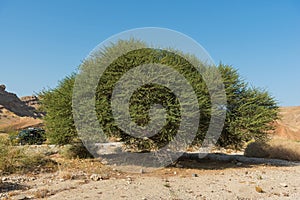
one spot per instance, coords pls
(57, 103)
(249, 113)
(149, 94)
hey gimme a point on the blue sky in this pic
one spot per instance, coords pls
(43, 41)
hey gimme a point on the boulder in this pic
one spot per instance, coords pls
(2, 87)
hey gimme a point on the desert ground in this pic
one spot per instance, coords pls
(187, 179)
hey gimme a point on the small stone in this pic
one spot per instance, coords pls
(283, 184)
(285, 194)
(189, 191)
(276, 194)
(4, 179)
(128, 180)
(104, 162)
(142, 171)
(179, 165)
(95, 177)
(259, 189)
(194, 175)
(20, 197)
(239, 164)
(175, 173)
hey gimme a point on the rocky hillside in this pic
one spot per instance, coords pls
(31, 101)
(289, 124)
(16, 113)
(21, 107)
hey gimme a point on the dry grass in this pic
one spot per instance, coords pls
(275, 148)
(75, 151)
(14, 159)
(68, 168)
(42, 193)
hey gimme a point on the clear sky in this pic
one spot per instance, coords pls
(43, 41)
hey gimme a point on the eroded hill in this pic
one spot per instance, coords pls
(16, 113)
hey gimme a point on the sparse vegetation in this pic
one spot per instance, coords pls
(76, 150)
(15, 159)
(275, 148)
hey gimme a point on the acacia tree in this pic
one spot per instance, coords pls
(57, 104)
(249, 111)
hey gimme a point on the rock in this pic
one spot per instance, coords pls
(109, 148)
(194, 175)
(14, 104)
(129, 179)
(259, 189)
(2, 87)
(32, 179)
(4, 179)
(20, 197)
(31, 101)
(239, 164)
(104, 162)
(179, 165)
(285, 194)
(189, 191)
(95, 177)
(283, 184)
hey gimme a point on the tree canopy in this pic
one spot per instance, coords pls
(249, 111)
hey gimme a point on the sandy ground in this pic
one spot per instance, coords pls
(227, 184)
(187, 179)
